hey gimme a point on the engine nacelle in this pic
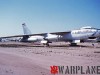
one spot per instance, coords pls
(44, 41)
(52, 37)
(32, 39)
(35, 38)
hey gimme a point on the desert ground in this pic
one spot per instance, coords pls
(29, 59)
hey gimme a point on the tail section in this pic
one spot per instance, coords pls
(25, 29)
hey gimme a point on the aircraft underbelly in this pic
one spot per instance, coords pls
(81, 36)
(76, 36)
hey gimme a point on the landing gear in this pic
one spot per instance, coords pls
(73, 44)
(47, 44)
(0, 39)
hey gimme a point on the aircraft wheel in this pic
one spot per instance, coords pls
(47, 44)
(73, 44)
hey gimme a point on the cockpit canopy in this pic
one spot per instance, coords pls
(88, 27)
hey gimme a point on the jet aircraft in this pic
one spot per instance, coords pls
(73, 36)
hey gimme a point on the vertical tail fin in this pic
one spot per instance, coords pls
(25, 29)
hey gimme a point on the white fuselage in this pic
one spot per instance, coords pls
(81, 34)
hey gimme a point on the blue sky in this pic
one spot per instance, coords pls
(47, 15)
